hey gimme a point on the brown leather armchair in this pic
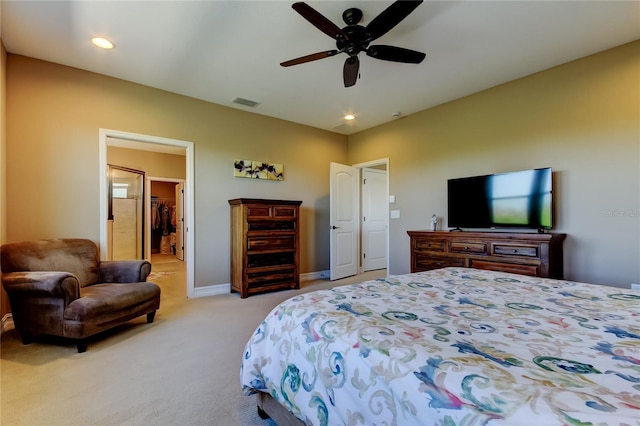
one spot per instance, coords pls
(60, 287)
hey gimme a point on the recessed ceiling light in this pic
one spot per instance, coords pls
(349, 117)
(102, 42)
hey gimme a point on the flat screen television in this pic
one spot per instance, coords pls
(521, 199)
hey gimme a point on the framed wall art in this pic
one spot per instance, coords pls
(258, 170)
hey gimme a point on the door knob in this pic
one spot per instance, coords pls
(334, 227)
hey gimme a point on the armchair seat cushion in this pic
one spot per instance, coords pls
(105, 299)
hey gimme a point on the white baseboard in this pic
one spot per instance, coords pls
(212, 290)
(7, 322)
(318, 275)
(218, 289)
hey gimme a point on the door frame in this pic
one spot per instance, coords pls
(358, 209)
(189, 205)
(147, 206)
(363, 234)
(359, 167)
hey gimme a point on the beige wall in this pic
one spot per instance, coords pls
(154, 164)
(581, 118)
(54, 113)
(164, 190)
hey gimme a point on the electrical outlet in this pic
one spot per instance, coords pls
(635, 286)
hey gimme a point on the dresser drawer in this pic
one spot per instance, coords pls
(515, 250)
(265, 212)
(258, 212)
(468, 247)
(430, 245)
(271, 225)
(271, 243)
(284, 211)
(425, 263)
(264, 260)
(514, 268)
(269, 278)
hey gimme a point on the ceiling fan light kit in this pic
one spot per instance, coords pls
(355, 38)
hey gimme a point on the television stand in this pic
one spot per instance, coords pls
(538, 255)
(455, 230)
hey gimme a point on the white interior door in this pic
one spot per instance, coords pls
(343, 221)
(180, 221)
(374, 219)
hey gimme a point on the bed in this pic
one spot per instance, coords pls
(452, 346)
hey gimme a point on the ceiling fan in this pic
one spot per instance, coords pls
(355, 38)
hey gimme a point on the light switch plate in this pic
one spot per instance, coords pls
(392, 199)
(395, 214)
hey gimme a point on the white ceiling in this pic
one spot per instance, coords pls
(221, 50)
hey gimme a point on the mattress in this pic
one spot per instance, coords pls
(453, 346)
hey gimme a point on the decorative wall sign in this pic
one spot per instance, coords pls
(258, 170)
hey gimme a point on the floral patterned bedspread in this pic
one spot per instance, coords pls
(453, 346)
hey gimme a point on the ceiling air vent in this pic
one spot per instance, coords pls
(346, 128)
(246, 102)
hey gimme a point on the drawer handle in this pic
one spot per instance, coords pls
(429, 245)
(515, 250)
(466, 247)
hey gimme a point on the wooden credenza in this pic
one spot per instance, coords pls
(265, 245)
(537, 255)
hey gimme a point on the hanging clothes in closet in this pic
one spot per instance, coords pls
(163, 225)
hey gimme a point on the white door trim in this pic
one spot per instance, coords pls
(189, 212)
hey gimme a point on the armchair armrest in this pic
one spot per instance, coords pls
(56, 284)
(124, 271)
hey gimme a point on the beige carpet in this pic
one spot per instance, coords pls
(181, 370)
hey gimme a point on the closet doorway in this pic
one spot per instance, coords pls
(165, 230)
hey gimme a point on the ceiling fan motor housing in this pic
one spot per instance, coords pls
(358, 40)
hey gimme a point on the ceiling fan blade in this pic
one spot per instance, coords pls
(350, 71)
(319, 21)
(309, 58)
(390, 17)
(395, 54)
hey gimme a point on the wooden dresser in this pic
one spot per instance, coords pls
(520, 253)
(265, 245)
